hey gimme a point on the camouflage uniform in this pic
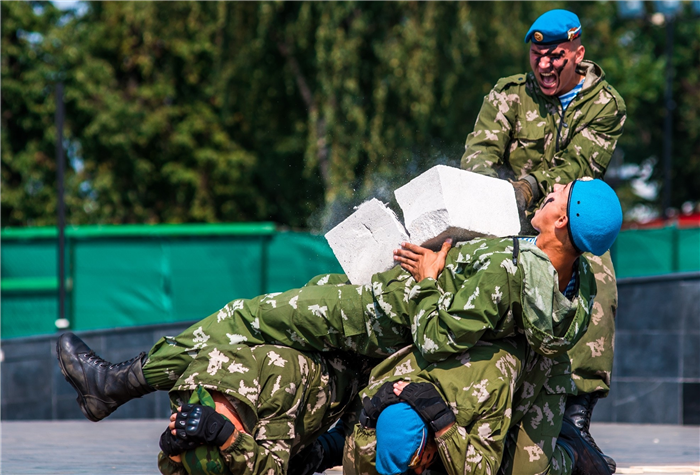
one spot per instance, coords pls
(285, 399)
(490, 289)
(493, 387)
(481, 295)
(521, 132)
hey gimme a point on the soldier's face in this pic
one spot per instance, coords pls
(553, 208)
(555, 66)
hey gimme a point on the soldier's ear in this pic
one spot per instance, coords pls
(580, 53)
(562, 222)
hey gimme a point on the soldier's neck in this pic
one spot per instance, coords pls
(561, 257)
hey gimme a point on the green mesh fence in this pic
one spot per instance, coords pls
(647, 252)
(136, 275)
(129, 275)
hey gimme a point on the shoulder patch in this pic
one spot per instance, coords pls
(616, 95)
(515, 80)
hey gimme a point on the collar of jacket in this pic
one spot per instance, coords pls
(552, 323)
(593, 82)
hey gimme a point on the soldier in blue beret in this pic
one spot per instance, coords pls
(556, 51)
(556, 124)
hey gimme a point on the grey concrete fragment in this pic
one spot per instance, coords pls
(449, 202)
(365, 241)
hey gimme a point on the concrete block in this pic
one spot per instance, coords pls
(365, 241)
(449, 202)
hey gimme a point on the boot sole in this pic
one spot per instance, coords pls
(82, 403)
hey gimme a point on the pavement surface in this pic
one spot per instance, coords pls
(130, 447)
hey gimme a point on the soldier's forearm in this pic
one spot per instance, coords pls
(461, 452)
(167, 466)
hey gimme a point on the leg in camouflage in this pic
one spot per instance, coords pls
(308, 319)
(319, 317)
(314, 318)
(592, 357)
(531, 445)
(545, 443)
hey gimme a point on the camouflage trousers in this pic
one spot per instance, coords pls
(506, 403)
(312, 318)
(592, 357)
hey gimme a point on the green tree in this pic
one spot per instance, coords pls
(28, 108)
(232, 111)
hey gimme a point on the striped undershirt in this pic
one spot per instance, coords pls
(566, 99)
(570, 291)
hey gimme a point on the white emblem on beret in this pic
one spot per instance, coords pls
(571, 34)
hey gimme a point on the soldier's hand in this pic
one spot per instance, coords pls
(171, 445)
(373, 407)
(523, 194)
(422, 262)
(202, 424)
(427, 402)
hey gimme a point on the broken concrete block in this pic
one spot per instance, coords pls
(365, 241)
(448, 202)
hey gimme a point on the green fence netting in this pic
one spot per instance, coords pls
(136, 275)
(646, 252)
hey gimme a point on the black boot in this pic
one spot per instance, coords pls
(578, 411)
(587, 459)
(102, 386)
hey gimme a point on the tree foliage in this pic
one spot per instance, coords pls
(238, 111)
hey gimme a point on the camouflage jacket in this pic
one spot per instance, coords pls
(489, 290)
(520, 131)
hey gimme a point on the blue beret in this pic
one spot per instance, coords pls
(401, 436)
(595, 215)
(554, 27)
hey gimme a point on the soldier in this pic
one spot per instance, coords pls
(551, 126)
(275, 399)
(467, 405)
(490, 289)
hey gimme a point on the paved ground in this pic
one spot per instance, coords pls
(130, 447)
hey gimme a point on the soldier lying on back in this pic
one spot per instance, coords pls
(490, 289)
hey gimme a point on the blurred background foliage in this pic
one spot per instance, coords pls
(295, 111)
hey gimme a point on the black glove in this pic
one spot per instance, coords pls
(373, 407)
(203, 425)
(171, 445)
(427, 402)
(324, 453)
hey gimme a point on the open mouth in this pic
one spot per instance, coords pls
(548, 80)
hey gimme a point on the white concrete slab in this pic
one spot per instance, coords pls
(364, 242)
(449, 202)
